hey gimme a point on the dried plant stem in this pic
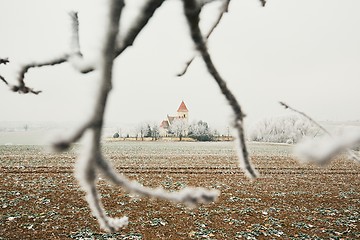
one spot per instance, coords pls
(349, 151)
(192, 11)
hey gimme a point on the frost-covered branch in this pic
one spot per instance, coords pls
(21, 86)
(121, 44)
(223, 9)
(75, 39)
(92, 160)
(86, 165)
(323, 154)
(189, 196)
(192, 11)
(146, 14)
(74, 56)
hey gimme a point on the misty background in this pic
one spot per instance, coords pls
(305, 53)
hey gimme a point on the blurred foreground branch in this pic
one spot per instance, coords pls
(92, 160)
(331, 149)
(192, 11)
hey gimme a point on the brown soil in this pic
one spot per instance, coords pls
(288, 202)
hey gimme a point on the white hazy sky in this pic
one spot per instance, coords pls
(306, 53)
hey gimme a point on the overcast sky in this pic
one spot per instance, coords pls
(306, 53)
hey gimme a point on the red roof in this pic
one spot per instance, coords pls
(170, 119)
(182, 107)
(164, 124)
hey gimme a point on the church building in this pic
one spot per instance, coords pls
(182, 115)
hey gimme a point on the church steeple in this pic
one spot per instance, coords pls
(183, 112)
(182, 107)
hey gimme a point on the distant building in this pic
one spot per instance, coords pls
(182, 115)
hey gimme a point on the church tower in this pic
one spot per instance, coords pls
(183, 112)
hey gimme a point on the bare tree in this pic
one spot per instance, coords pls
(92, 160)
(179, 127)
(141, 130)
(283, 129)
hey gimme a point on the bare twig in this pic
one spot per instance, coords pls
(223, 9)
(349, 151)
(192, 11)
(3, 79)
(306, 116)
(75, 56)
(21, 87)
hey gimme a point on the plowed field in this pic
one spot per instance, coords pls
(40, 198)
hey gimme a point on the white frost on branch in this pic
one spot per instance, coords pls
(90, 163)
(85, 173)
(93, 161)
